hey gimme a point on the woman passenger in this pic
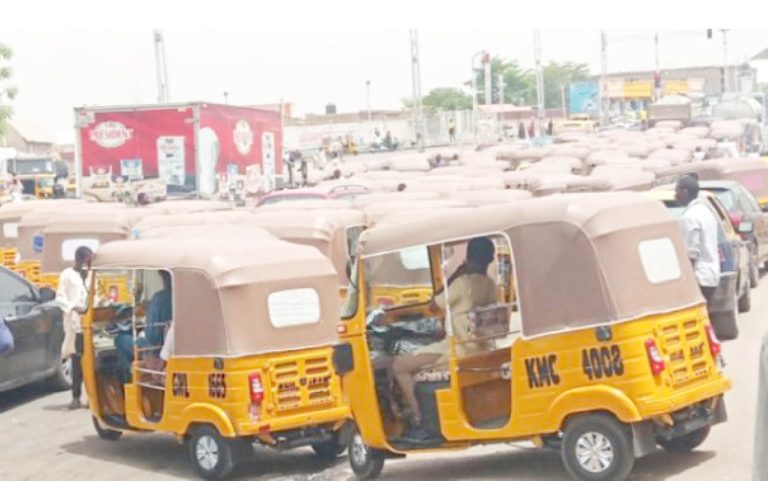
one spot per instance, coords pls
(469, 287)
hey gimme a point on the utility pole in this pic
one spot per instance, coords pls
(474, 92)
(416, 79)
(161, 68)
(727, 85)
(603, 74)
(657, 71)
(539, 74)
(488, 79)
(368, 106)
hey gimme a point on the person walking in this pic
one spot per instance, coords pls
(521, 130)
(700, 235)
(531, 130)
(72, 298)
(452, 130)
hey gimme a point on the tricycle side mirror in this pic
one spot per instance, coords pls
(745, 227)
(47, 294)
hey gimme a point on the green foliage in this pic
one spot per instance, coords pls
(7, 92)
(447, 98)
(520, 84)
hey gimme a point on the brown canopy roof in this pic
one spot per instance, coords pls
(753, 173)
(206, 231)
(99, 226)
(576, 256)
(223, 292)
(189, 206)
(324, 229)
(192, 218)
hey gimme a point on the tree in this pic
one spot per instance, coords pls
(7, 92)
(559, 75)
(520, 84)
(447, 98)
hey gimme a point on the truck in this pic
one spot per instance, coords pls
(37, 174)
(191, 148)
(671, 107)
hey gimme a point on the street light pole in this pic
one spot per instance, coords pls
(416, 79)
(474, 92)
(603, 74)
(726, 74)
(539, 74)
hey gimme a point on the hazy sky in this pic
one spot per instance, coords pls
(57, 70)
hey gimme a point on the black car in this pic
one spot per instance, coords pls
(747, 218)
(36, 324)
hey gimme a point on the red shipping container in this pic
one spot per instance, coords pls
(186, 145)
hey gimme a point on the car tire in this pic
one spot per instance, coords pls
(754, 267)
(597, 447)
(726, 325)
(105, 433)
(745, 301)
(686, 443)
(212, 455)
(61, 380)
(365, 461)
(329, 450)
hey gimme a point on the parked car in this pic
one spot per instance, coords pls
(747, 218)
(36, 324)
(733, 293)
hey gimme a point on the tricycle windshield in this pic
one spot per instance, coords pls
(399, 278)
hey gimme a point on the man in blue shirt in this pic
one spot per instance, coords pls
(159, 314)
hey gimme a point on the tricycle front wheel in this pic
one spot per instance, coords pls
(366, 462)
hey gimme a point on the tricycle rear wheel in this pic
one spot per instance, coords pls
(212, 455)
(597, 447)
(329, 450)
(686, 443)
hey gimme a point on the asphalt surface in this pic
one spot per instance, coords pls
(41, 441)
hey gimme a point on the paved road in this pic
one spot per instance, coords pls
(40, 441)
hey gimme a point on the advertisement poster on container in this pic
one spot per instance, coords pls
(132, 169)
(268, 158)
(584, 97)
(170, 159)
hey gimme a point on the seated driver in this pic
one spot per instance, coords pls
(469, 287)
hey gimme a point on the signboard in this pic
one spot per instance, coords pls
(612, 88)
(132, 169)
(170, 159)
(638, 89)
(584, 97)
(268, 160)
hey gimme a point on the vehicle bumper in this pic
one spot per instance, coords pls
(294, 421)
(694, 418)
(684, 398)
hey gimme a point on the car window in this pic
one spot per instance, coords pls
(747, 201)
(726, 197)
(13, 289)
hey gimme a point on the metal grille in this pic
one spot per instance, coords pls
(301, 383)
(217, 386)
(684, 344)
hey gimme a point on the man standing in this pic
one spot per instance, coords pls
(451, 130)
(72, 298)
(700, 234)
